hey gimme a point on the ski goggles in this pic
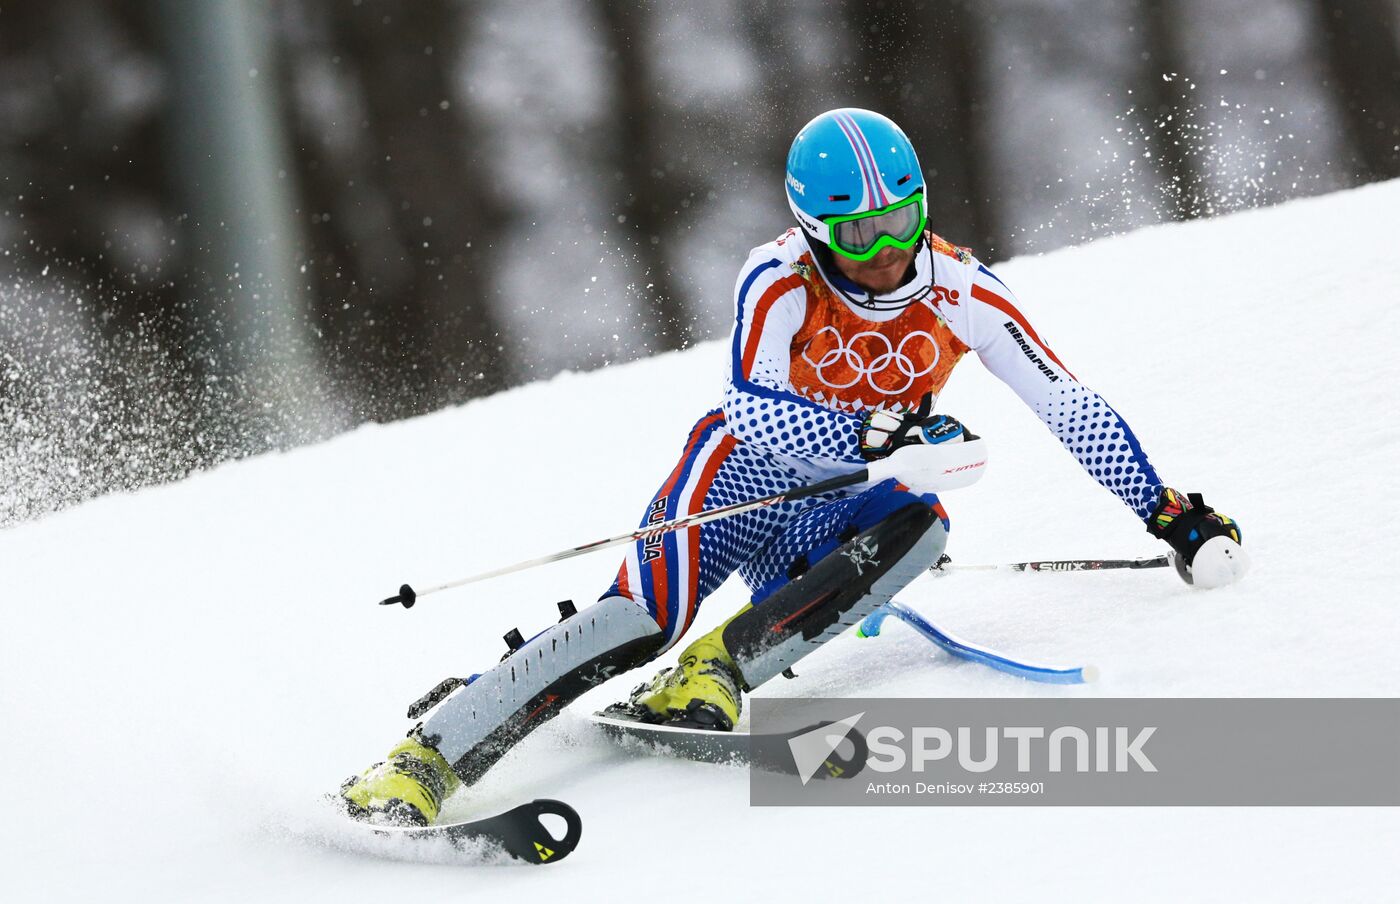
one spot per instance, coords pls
(861, 236)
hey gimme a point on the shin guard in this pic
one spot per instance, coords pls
(487, 715)
(837, 592)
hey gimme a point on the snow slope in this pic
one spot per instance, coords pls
(184, 670)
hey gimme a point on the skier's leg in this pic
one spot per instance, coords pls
(832, 566)
(653, 601)
(803, 595)
(670, 575)
(484, 717)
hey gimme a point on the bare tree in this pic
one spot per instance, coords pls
(434, 203)
(959, 59)
(649, 187)
(362, 274)
(919, 63)
(1359, 39)
(788, 95)
(82, 161)
(1166, 108)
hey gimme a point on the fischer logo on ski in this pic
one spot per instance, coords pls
(517, 832)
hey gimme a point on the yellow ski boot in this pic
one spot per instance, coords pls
(406, 789)
(702, 691)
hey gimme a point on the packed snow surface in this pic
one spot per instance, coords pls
(185, 670)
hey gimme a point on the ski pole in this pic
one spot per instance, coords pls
(946, 564)
(407, 596)
(953, 465)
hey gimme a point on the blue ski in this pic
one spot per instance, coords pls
(870, 627)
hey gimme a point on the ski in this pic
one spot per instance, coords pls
(517, 832)
(763, 751)
(963, 649)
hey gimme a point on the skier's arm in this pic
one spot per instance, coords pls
(760, 406)
(1098, 437)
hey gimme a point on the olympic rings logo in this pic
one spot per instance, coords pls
(893, 362)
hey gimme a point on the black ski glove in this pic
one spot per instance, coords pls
(882, 432)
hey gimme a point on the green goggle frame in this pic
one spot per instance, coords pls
(861, 236)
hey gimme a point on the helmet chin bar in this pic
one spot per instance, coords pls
(900, 298)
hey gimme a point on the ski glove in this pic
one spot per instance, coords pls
(882, 432)
(1207, 543)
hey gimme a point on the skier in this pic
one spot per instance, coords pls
(845, 332)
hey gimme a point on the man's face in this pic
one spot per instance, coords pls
(882, 273)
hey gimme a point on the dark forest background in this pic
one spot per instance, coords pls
(228, 226)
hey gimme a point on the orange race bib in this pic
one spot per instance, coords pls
(842, 358)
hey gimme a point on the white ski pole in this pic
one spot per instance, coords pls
(407, 596)
(943, 466)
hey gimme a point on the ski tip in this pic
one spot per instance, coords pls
(539, 844)
(1089, 674)
(522, 833)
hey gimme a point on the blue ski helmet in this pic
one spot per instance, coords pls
(850, 162)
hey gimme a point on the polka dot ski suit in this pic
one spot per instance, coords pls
(805, 365)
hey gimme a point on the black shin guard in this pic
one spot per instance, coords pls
(859, 576)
